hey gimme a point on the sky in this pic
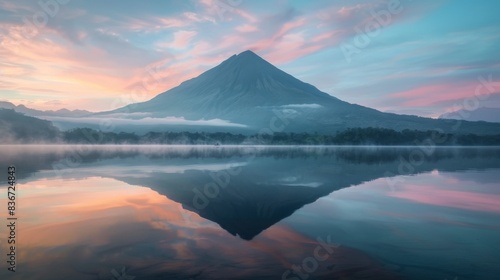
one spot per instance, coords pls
(404, 56)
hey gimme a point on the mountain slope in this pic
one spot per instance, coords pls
(16, 128)
(480, 114)
(248, 90)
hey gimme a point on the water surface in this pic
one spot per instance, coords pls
(156, 212)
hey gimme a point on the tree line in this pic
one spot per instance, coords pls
(352, 136)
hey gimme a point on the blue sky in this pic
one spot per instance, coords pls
(404, 56)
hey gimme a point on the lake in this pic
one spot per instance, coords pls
(185, 212)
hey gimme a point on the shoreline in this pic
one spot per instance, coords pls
(241, 146)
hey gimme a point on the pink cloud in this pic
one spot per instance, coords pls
(153, 24)
(246, 15)
(181, 40)
(246, 28)
(291, 47)
(329, 35)
(431, 94)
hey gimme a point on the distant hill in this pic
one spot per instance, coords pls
(480, 114)
(251, 94)
(17, 128)
(37, 113)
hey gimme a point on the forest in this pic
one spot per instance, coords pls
(354, 136)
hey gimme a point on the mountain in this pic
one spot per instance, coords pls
(480, 114)
(244, 81)
(249, 92)
(39, 113)
(16, 128)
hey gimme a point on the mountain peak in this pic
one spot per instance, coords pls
(247, 58)
(248, 53)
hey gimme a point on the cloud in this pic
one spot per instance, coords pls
(218, 10)
(134, 115)
(181, 40)
(308, 106)
(246, 28)
(153, 25)
(142, 121)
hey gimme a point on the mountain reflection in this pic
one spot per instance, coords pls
(244, 190)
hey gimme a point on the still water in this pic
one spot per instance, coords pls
(153, 212)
